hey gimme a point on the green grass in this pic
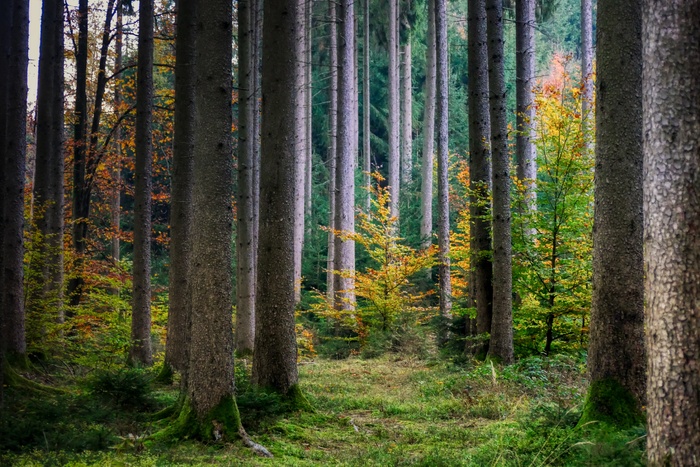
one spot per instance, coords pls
(393, 410)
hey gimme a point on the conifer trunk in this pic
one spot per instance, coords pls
(406, 113)
(426, 226)
(331, 276)
(525, 110)
(671, 109)
(366, 132)
(587, 116)
(117, 170)
(393, 95)
(501, 343)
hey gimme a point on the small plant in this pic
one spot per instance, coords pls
(127, 388)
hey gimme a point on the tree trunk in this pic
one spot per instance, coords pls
(275, 355)
(524, 86)
(48, 179)
(117, 169)
(14, 342)
(210, 406)
(407, 114)
(81, 193)
(587, 117)
(443, 165)
(141, 309)
(181, 231)
(426, 226)
(331, 276)
(479, 169)
(617, 311)
(257, 17)
(366, 132)
(345, 163)
(393, 95)
(300, 166)
(308, 107)
(501, 344)
(671, 109)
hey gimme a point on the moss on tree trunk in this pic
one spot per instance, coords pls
(611, 403)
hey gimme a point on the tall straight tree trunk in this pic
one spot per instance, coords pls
(426, 204)
(245, 287)
(479, 169)
(275, 355)
(48, 179)
(443, 165)
(14, 343)
(345, 163)
(141, 309)
(81, 193)
(210, 409)
(181, 229)
(5, 38)
(617, 311)
(117, 171)
(331, 276)
(308, 107)
(366, 148)
(501, 344)
(671, 109)
(406, 114)
(525, 68)
(393, 93)
(587, 117)
(257, 17)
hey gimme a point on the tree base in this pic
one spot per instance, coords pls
(297, 400)
(221, 423)
(611, 403)
(166, 375)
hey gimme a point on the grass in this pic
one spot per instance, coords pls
(392, 410)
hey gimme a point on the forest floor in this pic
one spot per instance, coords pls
(392, 410)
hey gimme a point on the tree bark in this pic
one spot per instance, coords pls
(617, 311)
(308, 107)
(345, 161)
(331, 276)
(275, 355)
(300, 165)
(524, 94)
(501, 343)
(140, 352)
(181, 229)
(587, 117)
(671, 109)
(117, 169)
(14, 342)
(426, 226)
(406, 114)
(366, 131)
(5, 38)
(393, 95)
(211, 385)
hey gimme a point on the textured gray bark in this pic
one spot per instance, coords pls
(426, 196)
(616, 348)
(140, 352)
(443, 163)
(48, 178)
(13, 196)
(300, 161)
(333, 148)
(671, 107)
(180, 286)
(501, 343)
(366, 148)
(406, 114)
(393, 96)
(587, 116)
(210, 374)
(525, 69)
(308, 106)
(117, 171)
(275, 355)
(245, 287)
(5, 25)
(257, 66)
(479, 167)
(345, 161)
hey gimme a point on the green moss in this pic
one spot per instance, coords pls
(297, 400)
(223, 422)
(166, 374)
(611, 403)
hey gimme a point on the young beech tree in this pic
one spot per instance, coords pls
(275, 354)
(671, 106)
(617, 308)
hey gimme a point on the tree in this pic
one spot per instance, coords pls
(524, 83)
(406, 112)
(116, 172)
(480, 168)
(671, 109)
(345, 159)
(331, 276)
(275, 354)
(14, 344)
(393, 93)
(617, 311)
(210, 410)
(587, 70)
(5, 37)
(48, 179)
(443, 162)
(426, 203)
(366, 132)
(181, 231)
(141, 309)
(501, 343)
